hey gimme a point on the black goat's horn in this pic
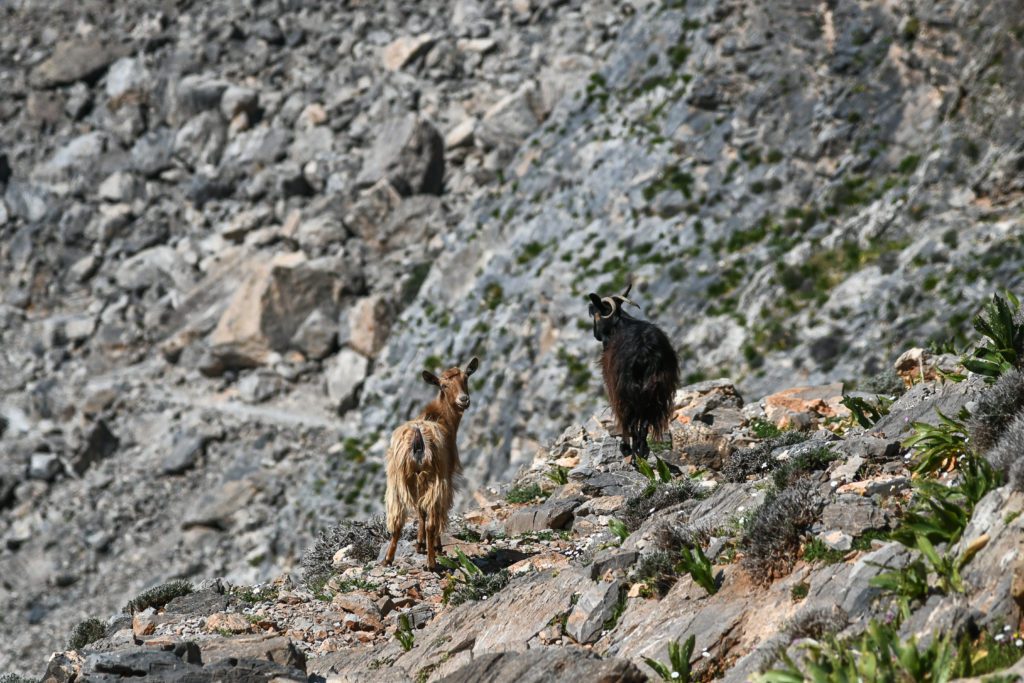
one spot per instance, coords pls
(626, 293)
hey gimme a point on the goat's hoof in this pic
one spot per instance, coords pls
(386, 563)
(421, 548)
(625, 449)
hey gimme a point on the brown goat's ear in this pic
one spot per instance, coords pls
(473, 365)
(431, 378)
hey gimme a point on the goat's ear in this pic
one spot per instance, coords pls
(473, 365)
(431, 378)
(599, 305)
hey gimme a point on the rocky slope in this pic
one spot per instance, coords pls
(552, 576)
(231, 236)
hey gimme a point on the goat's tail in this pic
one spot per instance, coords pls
(418, 447)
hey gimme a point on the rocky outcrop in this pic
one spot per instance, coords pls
(584, 590)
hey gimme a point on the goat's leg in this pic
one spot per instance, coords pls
(431, 549)
(395, 520)
(640, 446)
(421, 534)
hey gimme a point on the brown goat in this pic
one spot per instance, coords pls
(423, 466)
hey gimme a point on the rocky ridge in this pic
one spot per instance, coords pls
(231, 234)
(581, 598)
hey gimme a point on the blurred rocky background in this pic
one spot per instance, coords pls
(232, 234)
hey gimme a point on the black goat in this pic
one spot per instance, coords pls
(640, 370)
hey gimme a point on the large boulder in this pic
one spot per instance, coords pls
(409, 152)
(276, 298)
(74, 60)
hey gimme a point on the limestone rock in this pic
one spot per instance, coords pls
(408, 152)
(593, 608)
(345, 374)
(404, 50)
(265, 313)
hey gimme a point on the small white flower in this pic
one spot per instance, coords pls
(999, 637)
(1019, 642)
(1006, 629)
(705, 654)
(675, 674)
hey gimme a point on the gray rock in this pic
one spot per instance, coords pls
(262, 145)
(611, 559)
(317, 336)
(854, 515)
(201, 140)
(542, 664)
(119, 187)
(238, 100)
(552, 514)
(78, 59)
(344, 375)
(186, 449)
(592, 610)
(409, 152)
(152, 153)
(44, 466)
(259, 386)
(100, 444)
(126, 76)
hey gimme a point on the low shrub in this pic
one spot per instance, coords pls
(158, 597)
(363, 538)
(86, 632)
(772, 539)
(758, 459)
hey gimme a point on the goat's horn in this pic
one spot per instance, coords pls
(611, 303)
(626, 293)
(628, 301)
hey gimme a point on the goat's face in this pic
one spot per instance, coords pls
(453, 384)
(606, 313)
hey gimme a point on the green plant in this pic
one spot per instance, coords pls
(468, 581)
(800, 591)
(937, 445)
(85, 632)
(678, 667)
(806, 460)
(816, 551)
(864, 413)
(525, 494)
(763, 429)
(158, 596)
(656, 496)
(657, 572)
(404, 633)
(15, 678)
(877, 655)
(697, 565)
(664, 474)
(1004, 349)
(618, 528)
(558, 474)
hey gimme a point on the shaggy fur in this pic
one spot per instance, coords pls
(423, 466)
(640, 371)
